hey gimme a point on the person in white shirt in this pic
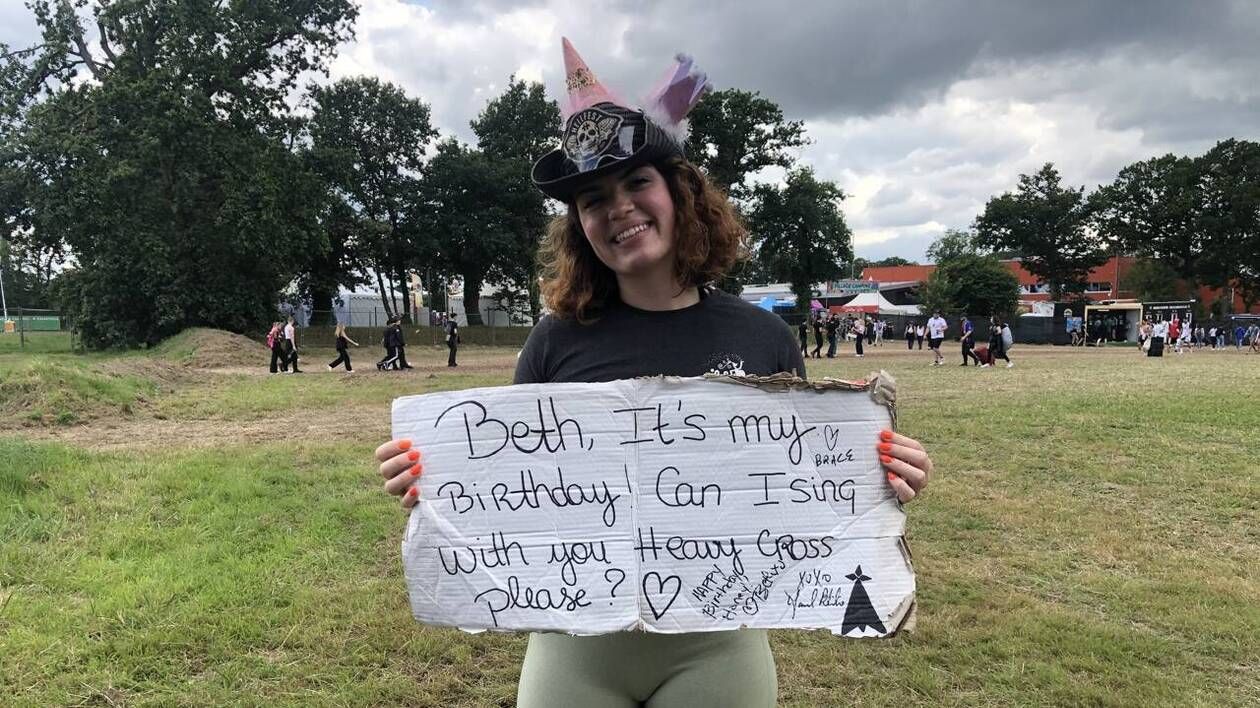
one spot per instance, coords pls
(290, 346)
(936, 334)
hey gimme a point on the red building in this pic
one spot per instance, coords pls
(1103, 282)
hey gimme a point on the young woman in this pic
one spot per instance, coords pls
(275, 342)
(626, 272)
(343, 353)
(997, 343)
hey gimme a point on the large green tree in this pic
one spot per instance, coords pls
(1047, 224)
(799, 232)
(368, 140)
(158, 153)
(966, 281)
(1230, 216)
(735, 134)
(474, 206)
(1152, 209)
(515, 129)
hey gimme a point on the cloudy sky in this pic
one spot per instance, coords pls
(920, 109)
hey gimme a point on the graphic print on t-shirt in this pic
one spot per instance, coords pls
(726, 364)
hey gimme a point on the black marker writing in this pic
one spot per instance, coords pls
(493, 434)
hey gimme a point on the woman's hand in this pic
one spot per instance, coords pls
(906, 462)
(401, 468)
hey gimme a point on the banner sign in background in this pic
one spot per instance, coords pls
(663, 505)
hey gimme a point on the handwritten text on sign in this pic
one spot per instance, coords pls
(666, 505)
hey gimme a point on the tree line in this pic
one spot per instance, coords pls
(1190, 221)
(162, 165)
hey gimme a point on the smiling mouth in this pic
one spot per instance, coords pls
(632, 231)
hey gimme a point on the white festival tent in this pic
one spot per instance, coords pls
(881, 305)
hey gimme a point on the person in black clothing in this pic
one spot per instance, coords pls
(818, 335)
(452, 338)
(343, 355)
(909, 335)
(833, 324)
(997, 347)
(391, 350)
(802, 331)
(275, 342)
(400, 344)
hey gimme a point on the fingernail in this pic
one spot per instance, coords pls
(885, 435)
(413, 455)
(891, 477)
(415, 470)
(413, 491)
(404, 444)
(885, 459)
(885, 447)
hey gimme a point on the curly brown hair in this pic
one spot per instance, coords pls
(709, 238)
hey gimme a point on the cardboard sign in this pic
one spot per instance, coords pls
(662, 505)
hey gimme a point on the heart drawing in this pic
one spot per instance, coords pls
(831, 436)
(660, 594)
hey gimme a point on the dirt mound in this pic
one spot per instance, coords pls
(202, 348)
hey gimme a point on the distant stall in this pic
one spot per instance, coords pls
(1113, 322)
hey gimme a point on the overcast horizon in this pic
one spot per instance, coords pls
(920, 111)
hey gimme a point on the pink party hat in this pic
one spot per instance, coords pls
(584, 89)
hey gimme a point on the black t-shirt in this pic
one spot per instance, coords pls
(720, 334)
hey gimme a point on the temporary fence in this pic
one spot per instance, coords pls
(38, 330)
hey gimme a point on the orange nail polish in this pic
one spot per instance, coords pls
(413, 491)
(413, 455)
(415, 470)
(404, 444)
(891, 477)
(885, 435)
(885, 447)
(885, 459)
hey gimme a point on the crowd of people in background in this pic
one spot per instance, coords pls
(281, 340)
(833, 328)
(829, 329)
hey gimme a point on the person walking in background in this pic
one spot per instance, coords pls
(910, 336)
(1239, 333)
(880, 325)
(833, 324)
(997, 343)
(802, 332)
(936, 336)
(859, 329)
(452, 339)
(870, 330)
(400, 344)
(275, 342)
(818, 335)
(342, 346)
(919, 332)
(968, 343)
(391, 351)
(290, 346)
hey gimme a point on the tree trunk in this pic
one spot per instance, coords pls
(400, 270)
(472, 300)
(322, 306)
(380, 287)
(535, 301)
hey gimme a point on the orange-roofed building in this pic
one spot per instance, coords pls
(1103, 283)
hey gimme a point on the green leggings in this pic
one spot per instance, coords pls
(633, 669)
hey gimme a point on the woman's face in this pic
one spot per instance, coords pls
(628, 218)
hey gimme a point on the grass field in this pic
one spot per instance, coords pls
(216, 537)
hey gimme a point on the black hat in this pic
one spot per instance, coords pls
(602, 135)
